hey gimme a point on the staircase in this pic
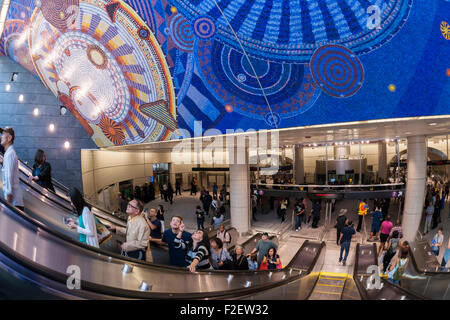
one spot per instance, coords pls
(329, 286)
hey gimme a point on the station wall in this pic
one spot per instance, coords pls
(32, 131)
(134, 71)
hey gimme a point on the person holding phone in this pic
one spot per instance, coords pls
(176, 251)
(86, 223)
(154, 224)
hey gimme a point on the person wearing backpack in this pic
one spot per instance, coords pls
(340, 223)
(391, 250)
(398, 267)
(224, 236)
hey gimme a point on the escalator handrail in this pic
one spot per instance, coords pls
(362, 290)
(419, 270)
(125, 293)
(131, 294)
(120, 258)
(66, 190)
(34, 188)
(54, 181)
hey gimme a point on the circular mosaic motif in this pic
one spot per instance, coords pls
(143, 33)
(204, 27)
(256, 87)
(285, 30)
(108, 70)
(337, 70)
(112, 130)
(61, 13)
(181, 33)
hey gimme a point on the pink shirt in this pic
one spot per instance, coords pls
(386, 227)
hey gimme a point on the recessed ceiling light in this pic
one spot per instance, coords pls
(432, 124)
(408, 132)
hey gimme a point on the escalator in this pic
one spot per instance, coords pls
(34, 262)
(61, 197)
(366, 256)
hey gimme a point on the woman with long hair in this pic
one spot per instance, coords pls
(42, 171)
(197, 252)
(86, 222)
(272, 259)
(160, 216)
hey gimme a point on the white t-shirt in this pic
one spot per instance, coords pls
(10, 177)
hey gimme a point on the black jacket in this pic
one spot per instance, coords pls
(241, 264)
(341, 222)
(45, 175)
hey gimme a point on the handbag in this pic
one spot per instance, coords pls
(264, 266)
(227, 264)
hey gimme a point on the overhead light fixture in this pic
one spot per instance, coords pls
(36, 112)
(62, 110)
(51, 127)
(8, 87)
(21, 98)
(14, 76)
(432, 124)
(66, 144)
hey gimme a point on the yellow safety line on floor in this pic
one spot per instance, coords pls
(338, 279)
(326, 292)
(329, 285)
(334, 274)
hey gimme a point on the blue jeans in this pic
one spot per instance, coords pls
(200, 224)
(345, 246)
(298, 221)
(436, 252)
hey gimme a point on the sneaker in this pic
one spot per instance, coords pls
(296, 230)
(369, 240)
(343, 263)
(340, 259)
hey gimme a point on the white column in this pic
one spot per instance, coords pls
(382, 161)
(415, 186)
(240, 190)
(299, 163)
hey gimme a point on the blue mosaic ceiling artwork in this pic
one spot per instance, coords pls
(231, 64)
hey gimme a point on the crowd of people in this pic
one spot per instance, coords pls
(196, 251)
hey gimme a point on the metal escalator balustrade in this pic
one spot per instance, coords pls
(50, 255)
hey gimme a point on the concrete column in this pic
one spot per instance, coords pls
(382, 161)
(240, 191)
(299, 163)
(341, 152)
(415, 186)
